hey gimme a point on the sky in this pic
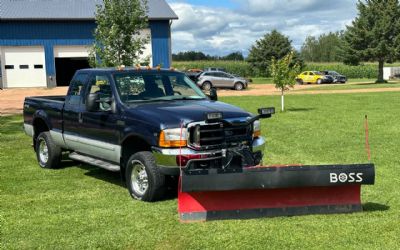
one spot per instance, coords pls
(220, 27)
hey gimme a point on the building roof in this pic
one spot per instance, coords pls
(70, 10)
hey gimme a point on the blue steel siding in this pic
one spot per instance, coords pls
(46, 34)
(57, 33)
(160, 38)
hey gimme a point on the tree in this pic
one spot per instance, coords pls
(325, 48)
(284, 72)
(272, 45)
(235, 56)
(118, 38)
(374, 35)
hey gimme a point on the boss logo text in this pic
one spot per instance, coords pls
(343, 177)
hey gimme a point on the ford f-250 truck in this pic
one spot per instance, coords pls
(145, 123)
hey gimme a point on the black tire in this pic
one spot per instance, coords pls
(239, 86)
(300, 81)
(156, 180)
(206, 86)
(51, 158)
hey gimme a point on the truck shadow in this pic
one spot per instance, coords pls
(115, 177)
(374, 207)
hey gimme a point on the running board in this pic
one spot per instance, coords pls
(95, 162)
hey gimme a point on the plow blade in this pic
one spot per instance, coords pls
(272, 191)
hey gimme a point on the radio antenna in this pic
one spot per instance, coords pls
(367, 148)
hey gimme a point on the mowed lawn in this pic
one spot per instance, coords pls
(355, 85)
(79, 206)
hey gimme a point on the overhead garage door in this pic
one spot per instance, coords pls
(69, 59)
(24, 67)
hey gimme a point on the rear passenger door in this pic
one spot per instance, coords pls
(226, 80)
(73, 108)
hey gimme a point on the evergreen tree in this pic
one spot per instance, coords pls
(272, 45)
(375, 34)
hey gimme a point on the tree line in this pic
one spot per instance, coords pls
(198, 56)
(374, 35)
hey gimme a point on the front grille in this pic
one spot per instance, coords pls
(218, 135)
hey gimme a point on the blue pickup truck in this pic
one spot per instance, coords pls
(146, 123)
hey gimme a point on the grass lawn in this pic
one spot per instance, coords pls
(261, 80)
(363, 85)
(79, 206)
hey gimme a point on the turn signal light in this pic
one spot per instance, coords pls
(171, 139)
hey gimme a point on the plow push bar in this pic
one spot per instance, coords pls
(272, 191)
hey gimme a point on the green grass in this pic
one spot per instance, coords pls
(363, 85)
(81, 207)
(261, 80)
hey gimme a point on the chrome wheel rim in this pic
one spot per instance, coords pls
(139, 178)
(207, 86)
(239, 86)
(43, 151)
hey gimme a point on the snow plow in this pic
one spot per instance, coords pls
(242, 189)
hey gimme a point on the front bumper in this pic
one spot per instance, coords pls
(166, 157)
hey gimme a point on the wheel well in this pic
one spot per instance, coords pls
(132, 145)
(39, 126)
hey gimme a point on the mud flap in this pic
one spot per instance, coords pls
(272, 191)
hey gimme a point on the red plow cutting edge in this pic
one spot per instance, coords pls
(267, 191)
(272, 191)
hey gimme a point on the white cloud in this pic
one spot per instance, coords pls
(219, 31)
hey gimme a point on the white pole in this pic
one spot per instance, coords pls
(283, 102)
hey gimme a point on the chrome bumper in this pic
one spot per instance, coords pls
(166, 157)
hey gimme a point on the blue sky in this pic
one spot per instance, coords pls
(221, 27)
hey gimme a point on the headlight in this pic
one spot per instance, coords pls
(256, 129)
(175, 137)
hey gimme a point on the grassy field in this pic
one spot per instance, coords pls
(354, 85)
(79, 206)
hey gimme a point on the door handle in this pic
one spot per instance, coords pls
(80, 118)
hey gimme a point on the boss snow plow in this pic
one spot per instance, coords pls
(238, 188)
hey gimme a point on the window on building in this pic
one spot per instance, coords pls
(24, 66)
(38, 66)
(9, 67)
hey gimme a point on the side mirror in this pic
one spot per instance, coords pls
(92, 102)
(213, 94)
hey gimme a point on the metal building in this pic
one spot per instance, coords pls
(42, 43)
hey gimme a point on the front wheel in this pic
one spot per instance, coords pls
(239, 86)
(206, 86)
(47, 152)
(319, 81)
(144, 180)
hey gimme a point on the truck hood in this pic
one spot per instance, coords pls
(171, 113)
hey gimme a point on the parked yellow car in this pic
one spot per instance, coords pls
(312, 77)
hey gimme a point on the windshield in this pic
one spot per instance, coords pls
(334, 73)
(144, 86)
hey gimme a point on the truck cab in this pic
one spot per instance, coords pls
(146, 123)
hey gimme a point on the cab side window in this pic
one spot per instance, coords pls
(100, 84)
(76, 88)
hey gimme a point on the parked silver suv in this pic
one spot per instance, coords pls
(220, 79)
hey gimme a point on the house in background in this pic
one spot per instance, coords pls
(43, 43)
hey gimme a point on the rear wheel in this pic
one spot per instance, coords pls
(47, 152)
(144, 180)
(239, 86)
(319, 81)
(206, 86)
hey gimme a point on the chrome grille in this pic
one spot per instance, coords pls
(217, 135)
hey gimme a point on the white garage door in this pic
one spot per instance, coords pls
(71, 51)
(24, 67)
